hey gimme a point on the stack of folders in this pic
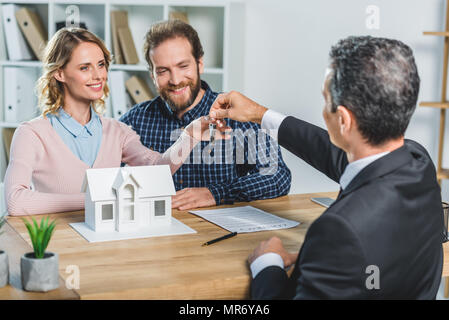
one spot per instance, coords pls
(180, 15)
(138, 89)
(20, 102)
(123, 46)
(25, 33)
(33, 29)
(126, 91)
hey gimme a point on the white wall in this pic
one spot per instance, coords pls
(286, 53)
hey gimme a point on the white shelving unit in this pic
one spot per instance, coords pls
(219, 24)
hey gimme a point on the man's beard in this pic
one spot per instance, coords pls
(181, 106)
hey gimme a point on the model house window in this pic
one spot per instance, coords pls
(128, 192)
(107, 212)
(159, 208)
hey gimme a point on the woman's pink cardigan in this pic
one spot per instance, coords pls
(40, 156)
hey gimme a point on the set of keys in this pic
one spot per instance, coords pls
(212, 128)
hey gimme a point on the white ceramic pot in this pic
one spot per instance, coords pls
(40, 274)
(4, 268)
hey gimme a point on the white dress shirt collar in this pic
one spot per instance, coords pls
(354, 168)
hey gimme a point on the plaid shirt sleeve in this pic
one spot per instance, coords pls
(262, 175)
(128, 117)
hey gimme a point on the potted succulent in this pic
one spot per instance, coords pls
(39, 269)
(4, 266)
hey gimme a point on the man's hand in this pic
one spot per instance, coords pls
(236, 106)
(190, 198)
(199, 130)
(274, 244)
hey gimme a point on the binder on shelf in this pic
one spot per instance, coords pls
(127, 47)
(7, 133)
(138, 89)
(20, 102)
(121, 102)
(33, 29)
(16, 45)
(180, 15)
(119, 19)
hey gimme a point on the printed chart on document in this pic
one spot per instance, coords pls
(245, 219)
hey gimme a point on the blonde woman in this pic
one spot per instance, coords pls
(53, 151)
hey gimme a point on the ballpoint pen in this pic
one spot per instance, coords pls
(229, 235)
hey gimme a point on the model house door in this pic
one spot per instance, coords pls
(128, 203)
(127, 208)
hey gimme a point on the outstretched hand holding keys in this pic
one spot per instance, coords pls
(235, 106)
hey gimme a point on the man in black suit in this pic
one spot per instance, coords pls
(382, 237)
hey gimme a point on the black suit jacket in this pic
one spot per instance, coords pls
(389, 216)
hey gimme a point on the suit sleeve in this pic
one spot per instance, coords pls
(332, 263)
(312, 144)
(321, 272)
(271, 283)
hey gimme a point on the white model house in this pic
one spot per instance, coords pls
(128, 199)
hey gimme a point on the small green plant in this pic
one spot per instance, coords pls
(40, 235)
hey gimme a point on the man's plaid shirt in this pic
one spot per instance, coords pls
(247, 167)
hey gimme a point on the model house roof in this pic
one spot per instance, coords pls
(154, 181)
(122, 177)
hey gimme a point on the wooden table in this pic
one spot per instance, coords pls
(172, 267)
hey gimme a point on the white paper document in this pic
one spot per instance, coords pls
(245, 219)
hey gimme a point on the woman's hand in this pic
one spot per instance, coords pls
(199, 130)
